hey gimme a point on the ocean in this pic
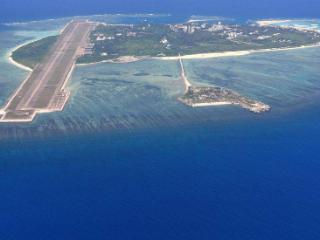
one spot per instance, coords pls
(21, 10)
(125, 160)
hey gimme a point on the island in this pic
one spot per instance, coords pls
(126, 43)
(53, 59)
(196, 96)
(215, 96)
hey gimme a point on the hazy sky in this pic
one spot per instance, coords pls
(251, 8)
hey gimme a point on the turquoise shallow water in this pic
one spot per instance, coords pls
(311, 24)
(126, 160)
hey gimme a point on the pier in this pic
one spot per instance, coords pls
(183, 76)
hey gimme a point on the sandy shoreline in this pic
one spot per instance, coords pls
(235, 53)
(267, 22)
(210, 104)
(19, 65)
(273, 22)
(129, 59)
(264, 23)
(206, 55)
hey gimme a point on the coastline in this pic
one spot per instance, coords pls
(264, 23)
(234, 53)
(19, 65)
(195, 105)
(274, 22)
(12, 50)
(129, 59)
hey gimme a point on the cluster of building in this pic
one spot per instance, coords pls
(229, 32)
(234, 32)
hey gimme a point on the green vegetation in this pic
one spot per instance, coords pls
(31, 54)
(113, 41)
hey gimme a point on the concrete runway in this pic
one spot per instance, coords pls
(43, 90)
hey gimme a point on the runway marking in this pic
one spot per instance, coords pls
(44, 89)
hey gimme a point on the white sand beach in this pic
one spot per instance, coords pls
(277, 22)
(10, 59)
(233, 53)
(264, 23)
(211, 104)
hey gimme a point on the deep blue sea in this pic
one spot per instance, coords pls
(232, 180)
(231, 175)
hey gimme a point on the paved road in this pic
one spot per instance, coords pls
(43, 90)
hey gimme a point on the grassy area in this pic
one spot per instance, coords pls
(31, 54)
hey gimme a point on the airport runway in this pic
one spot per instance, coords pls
(43, 90)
